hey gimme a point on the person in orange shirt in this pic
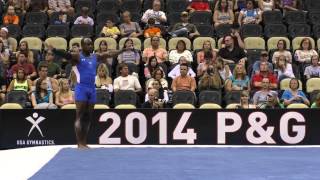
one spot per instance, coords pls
(184, 81)
(10, 17)
(152, 30)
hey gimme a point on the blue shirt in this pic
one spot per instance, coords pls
(86, 70)
(288, 95)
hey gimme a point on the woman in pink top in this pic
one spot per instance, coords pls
(64, 96)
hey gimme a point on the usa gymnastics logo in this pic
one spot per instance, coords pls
(35, 120)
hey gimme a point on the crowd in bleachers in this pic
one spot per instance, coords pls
(164, 53)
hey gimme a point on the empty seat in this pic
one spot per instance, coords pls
(103, 96)
(108, 6)
(125, 106)
(223, 30)
(251, 30)
(183, 106)
(34, 43)
(11, 106)
(104, 16)
(209, 97)
(131, 6)
(298, 30)
(173, 18)
(210, 106)
(312, 5)
(314, 17)
(232, 97)
(201, 17)
(183, 97)
(57, 42)
(19, 97)
(272, 17)
(198, 42)
(101, 106)
(253, 55)
(275, 30)
(14, 31)
(205, 30)
(125, 97)
(254, 43)
(60, 30)
(316, 31)
(313, 84)
(34, 30)
(295, 17)
(173, 42)
(69, 106)
(36, 18)
(85, 3)
(297, 106)
(176, 6)
(81, 30)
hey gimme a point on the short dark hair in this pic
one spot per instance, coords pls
(42, 65)
(184, 64)
(121, 66)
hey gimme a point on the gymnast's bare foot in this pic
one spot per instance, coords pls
(83, 146)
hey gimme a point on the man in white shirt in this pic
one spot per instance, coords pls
(314, 69)
(126, 81)
(155, 13)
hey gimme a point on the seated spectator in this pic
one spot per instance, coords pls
(38, 6)
(159, 16)
(63, 6)
(250, 15)
(184, 81)
(84, 18)
(110, 30)
(305, 52)
(184, 28)
(154, 50)
(103, 47)
(158, 75)
(264, 57)
(314, 69)
(129, 28)
(62, 19)
(6, 72)
(210, 80)
(281, 50)
(64, 96)
(199, 5)
(175, 72)
(206, 47)
(53, 68)
(245, 101)
(75, 47)
(232, 53)
(223, 14)
(260, 98)
(284, 69)
(3, 90)
(293, 94)
(153, 100)
(24, 47)
(266, 5)
(28, 68)
(202, 67)
(151, 67)
(20, 6)
(272, 102)
(126, 81)
(152, 30)
(103, 80)
(289, 5)
(10, 17)
(7, 41)
(129, 55)
(4, 53)
(162, 93)
(181, 50)
(239, 80)
(223, 69)
(264, 72)
(42, 98)
(21, 83)
(43, 74)
(316, 103)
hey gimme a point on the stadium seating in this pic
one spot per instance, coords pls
(198, 42)
(11, 106)
(125, 97)
(173, 42)
(183, 97)
(210, 97)
(210, 106)
(183, 106)
(112, 43)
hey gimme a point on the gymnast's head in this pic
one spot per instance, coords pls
(87, 45)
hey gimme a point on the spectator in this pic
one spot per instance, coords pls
(175, 72)
(20, 6)
(42, 98)
(110, 30)
(53, 68)
(316, 104)
(282, 50)
(4, 53)
(153, 101)
(128, 28)
(284, 69)
(62, 19)
(264, 73)
(232, 53)
(202, 67)
(210, 80)
(43, 74)
(75, 47)
(199, 5)
(3, 90)
(24, 48)
(155, 50)
(223, 14)
(239, 80)
(103, 79)
(239, 5)
(304, 53)
(158, 75)
(163, 94)
(6, 72)
(245, 101)
(28, 68)
(250, 15)
(126, 81)
(289, 5)
(206, 47)
(293, 94)
(260, 98)
(313, 70)
(10, 17)
(84, 18)
(230, 5)
(38, 6)
(151, 29)
(181, 50)
(273, 102)
(63, 6)
(21, 83)
(156, 13)
(151, 67)
(64, 96)
(264, 57)
(184, 28)
(7, 41)
(266, 5)
(223, 69)
(103, 47)
(129, 55)
(184, 81)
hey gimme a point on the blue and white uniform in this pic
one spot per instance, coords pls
(85, 72)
